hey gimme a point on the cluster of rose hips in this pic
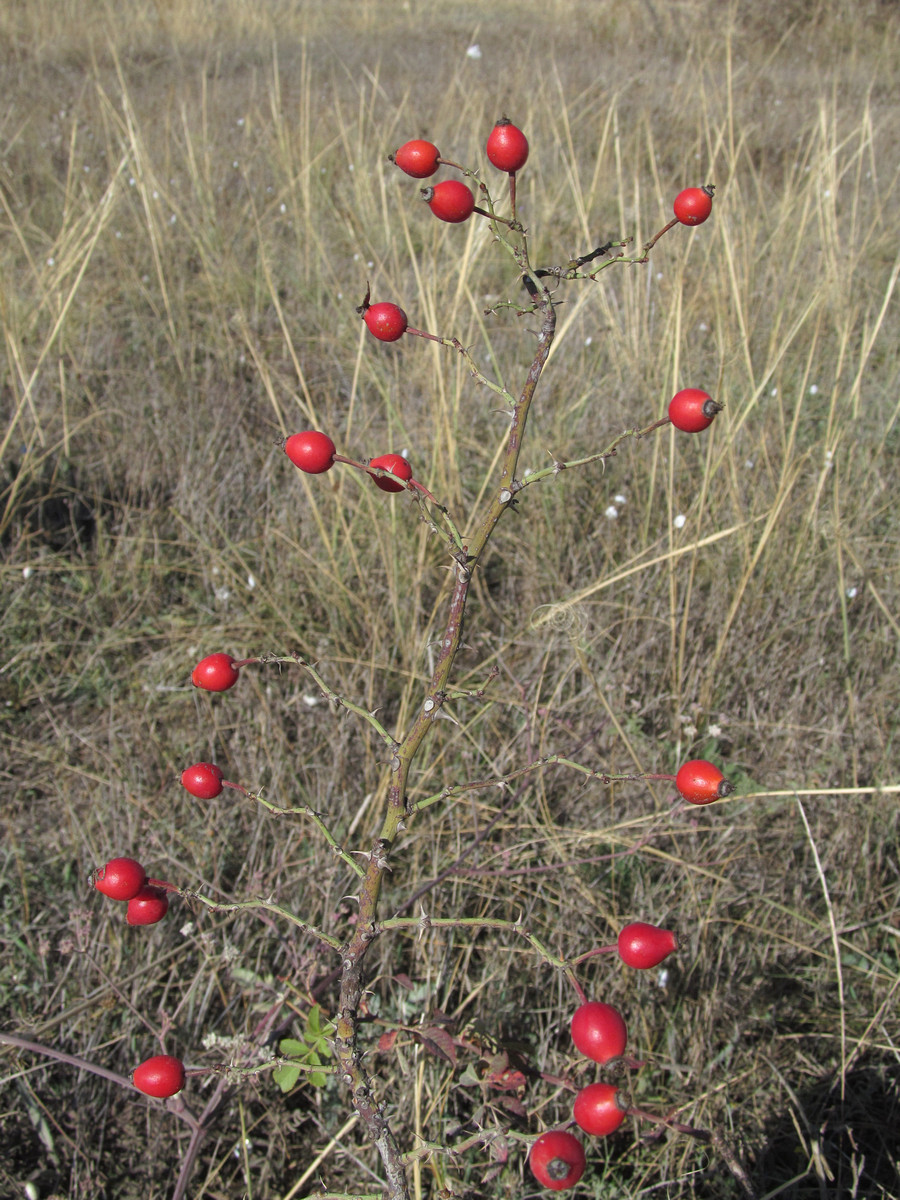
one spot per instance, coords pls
(126, 880)
(315, 452)
(690, 410)
(557, 1157)
(452, 200)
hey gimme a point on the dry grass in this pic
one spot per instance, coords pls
(193, 197)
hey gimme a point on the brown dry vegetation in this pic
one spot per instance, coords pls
(193, 197)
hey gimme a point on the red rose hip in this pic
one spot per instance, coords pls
(643, 946)
(700, 782)
(597, 1110)
(692, 410)
(507, 146)
(120, 878)
(385, 321)
(693, 205)
(450, 201)
(215, 673)
(203, 780)
(417, 158)
(149, 906)
(312, 451)
(599, 1031)
(397, 465)
(557, 1160)
(161, 1076)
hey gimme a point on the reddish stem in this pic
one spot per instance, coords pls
(633, 1064)
(648, 246)
(643, 433)
(432, 337)
(599, 950)
(511, 222)
(420, 487)
(579, 990)
(448, 162)
(11, 1039)
(702, 1135)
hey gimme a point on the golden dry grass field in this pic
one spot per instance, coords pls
(193, 196)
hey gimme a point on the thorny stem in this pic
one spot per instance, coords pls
(316, 818)
(467, 556)
(648, 246)
(330, 694)
(266, 906)
(474, 371)
(492, 216)
(610, 452)
(349, 1059)
(454, 790)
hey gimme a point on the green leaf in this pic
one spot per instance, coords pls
(286, 1076)
(317, 1079)
(313, 1024)
(470, 1077)
(291, 1048)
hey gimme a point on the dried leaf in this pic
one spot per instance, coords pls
(438, 1042)
(512, 1104)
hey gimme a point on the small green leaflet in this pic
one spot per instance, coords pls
(313, 1051)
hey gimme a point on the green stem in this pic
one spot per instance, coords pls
(329, 693)
(426, 922)
(316, 818)
(453, 791)
(266, 906)
(610, 452)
